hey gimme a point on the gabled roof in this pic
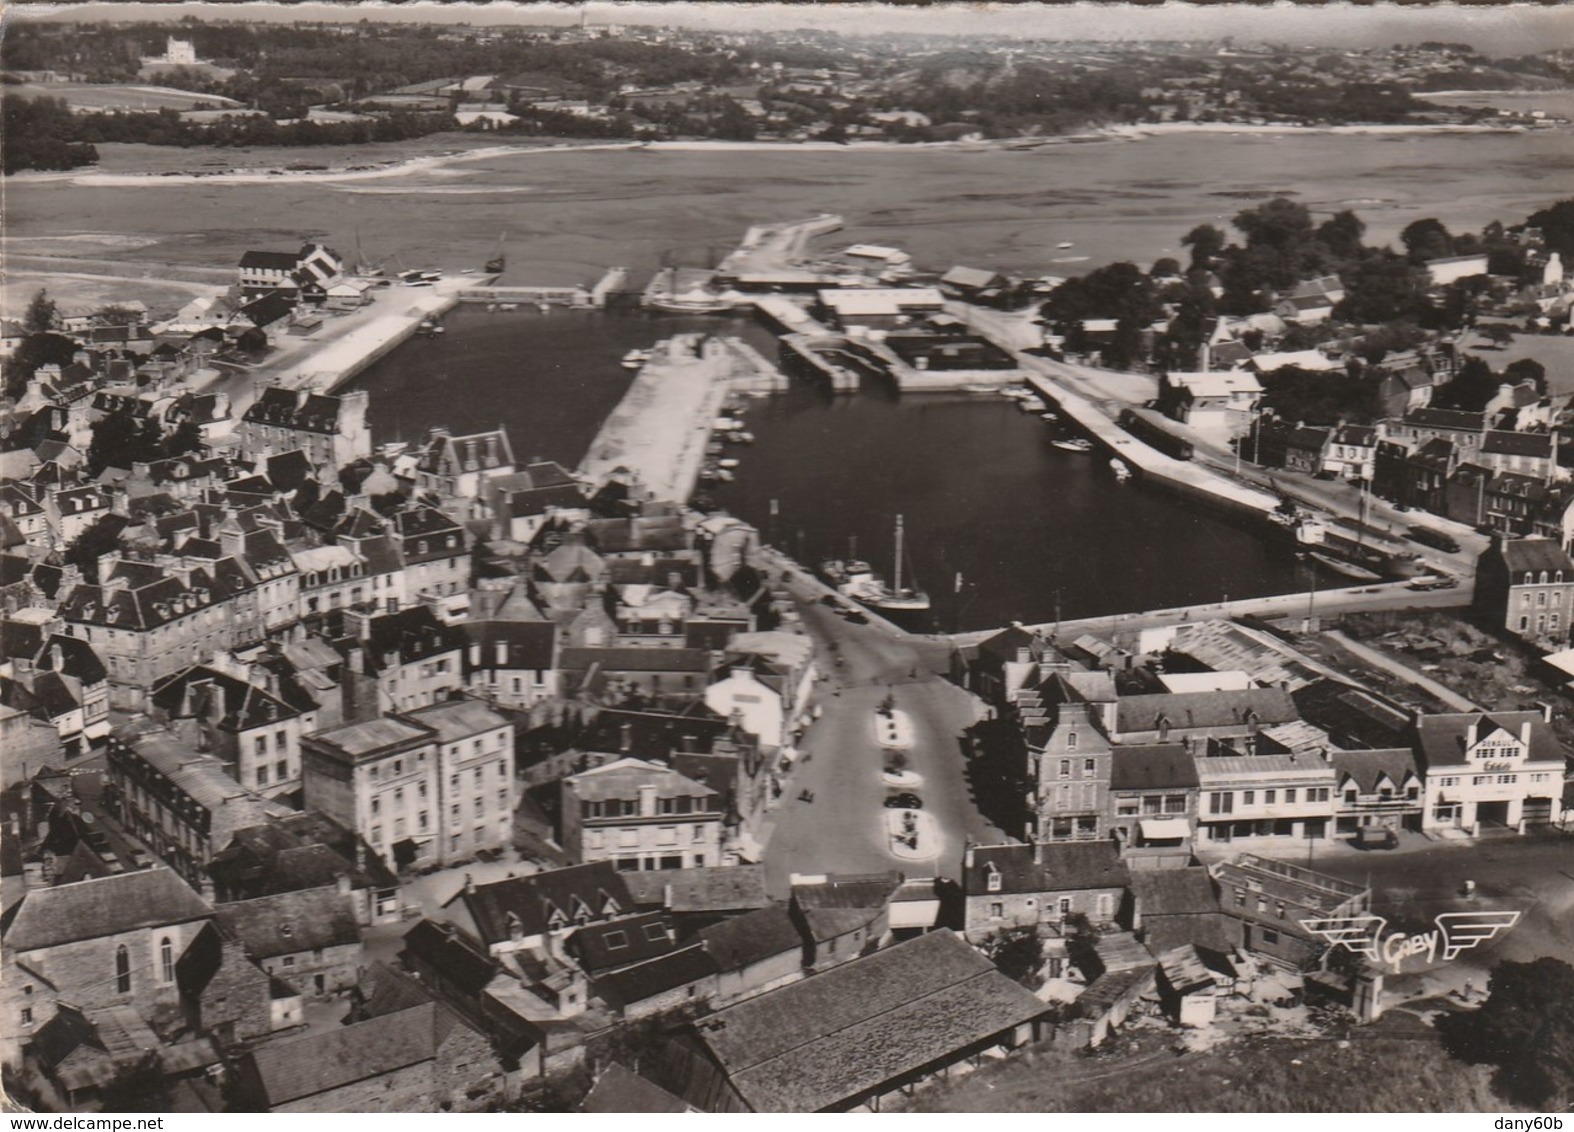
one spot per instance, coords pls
(620, 943)
(752, 937)
(1521, 555)
(67, 913)
(292, 922)
(1185, 710)
(1174, 892)
(1366, 768)
(242, 704)
(1447, 418)
(1353, 717)
(1061, 866)
(841, 904)
(1442, 738)
(459, 959)
(1158, 766)
(579, 894)
(269, 261)
(656, 976)
(1501, 443)
(823, 1041)
(725, 888)
(622, 1091)
(629, 778)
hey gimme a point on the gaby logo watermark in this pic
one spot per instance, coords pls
(1456, 932)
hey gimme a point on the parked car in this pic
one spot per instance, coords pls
(141, 858)
(1375, 837)
(857, 617)
(830, 600)
(904, 801)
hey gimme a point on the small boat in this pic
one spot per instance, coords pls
(1064, 244)
(1030, 405)
(738, 437)
(508, 306)
(978, 387)
(724, 476)
(726, 424)
(635, 358)
(728, 462)
(429, 328)
(1074, 444)
(1348, 569)
(1016, 392)
(1049, 416)
(758, 394)
(1122, 472)
(420, 278)
(713, 449)
(491, 306)
(543, 306)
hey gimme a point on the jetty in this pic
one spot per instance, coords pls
(612, 281)
(659, 431)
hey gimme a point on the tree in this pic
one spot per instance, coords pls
(119, 441)
(1164, 268)
(1556, 225)
(186, 438)
(1341, 234)
(1427, 239)
(1526, 1029)
(101, 537)
(1500, 334)
(1018, 954)
(1205, 242)
(1472, 387)
(41, 313)
(34, 351)
(1384, 287)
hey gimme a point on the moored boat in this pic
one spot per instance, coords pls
(635, 358)
(1073, 444)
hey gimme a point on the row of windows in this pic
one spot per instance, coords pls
(166, 957)
(1089, 766)
(629, 807)
(1223, 802)
(629, 838)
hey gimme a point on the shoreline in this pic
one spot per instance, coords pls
(435, 162)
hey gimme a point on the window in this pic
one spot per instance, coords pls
(262, 776)
(699, 833)
(502, 799)
(281, 770)
(1089, 766)
(1071, 740)
(260, 744)
(1289, 794)
(1248, 797)
(122, 970)
(377, 806)
(997, 910)
(1065, 768)
(166, 960)
(377, 835)
(1175, 803)
(1221, 802)
(1065, 905)
(1270, 936)
(667, 835)
(27, 1017)
(1269, 797)
(422, 820)
(287, 962)
(615, 940)
(281, 740)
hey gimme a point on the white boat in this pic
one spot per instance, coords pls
(724, 476)
(978, 387)
(1016, 392)
(726, 424)
(738, 437)
(1074, 444)
(1064, 244)
(1030, 405)
(635, 358)
(728, 462)
(1122, 472)
(508, 306)
(1049, 416)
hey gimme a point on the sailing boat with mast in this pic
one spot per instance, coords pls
(495, 265)
(898, 596)
(857, 580)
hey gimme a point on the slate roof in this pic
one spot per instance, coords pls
(621, 1090)
(267, 309)
(460, 959)
(529, 644)
(1184, 710)
(371, 738)
(1364, 768)
(824, 1041)
(1066, 866)
(727, 888)
(292, 922)
(283, 408)
(303, 1067)
(634, 659)
(619, 943)
(580, 892)
(841, 904)
(269, 261)
(152, 599)
(653, 735)
(752, 937)
(66, 913)
(1500, 443)
(1535, 555)
(1447, 418)
(1441, 738)
(1152, 767)
(243, 704)
(458, 719)
(1174, 892)
(657, 976)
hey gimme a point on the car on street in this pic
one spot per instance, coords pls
(853, 615)
(1433, 582)
(141, 858)
(830, 600)
(904, 801)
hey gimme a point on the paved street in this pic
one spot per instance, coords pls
(843, 829)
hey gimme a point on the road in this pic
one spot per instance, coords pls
(843, 829)
(1405, 673)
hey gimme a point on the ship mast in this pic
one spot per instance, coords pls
(896, 584)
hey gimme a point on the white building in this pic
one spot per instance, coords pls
(1504, 769)
(641, 816)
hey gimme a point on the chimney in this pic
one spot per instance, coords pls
(341, 881)
(1038, 851)
(967, 855)
(1470, 732)
(470, 885)
(360, 855)
(1524, 735)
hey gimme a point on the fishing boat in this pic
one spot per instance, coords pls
(1016, 392)
(727, 463)
(1348, 569)
(978, 387)
(430, 328)
(1049, 416)
(419, 278)
(1064, 244)
(635, 358)
(738, 437)
(724, 476)
(508, 306)
(726, 424)
(1122, 472)
(1030, 405)
(1073, 444)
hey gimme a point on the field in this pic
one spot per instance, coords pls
(1556, 352)
(1251, 1074)
(119, 96)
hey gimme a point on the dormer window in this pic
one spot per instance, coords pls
(992, 877)
(1543, 577)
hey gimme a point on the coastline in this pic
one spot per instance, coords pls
(436, 162)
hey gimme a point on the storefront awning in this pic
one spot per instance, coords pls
(1165, 829)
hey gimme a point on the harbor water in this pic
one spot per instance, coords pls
(1033, 530)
